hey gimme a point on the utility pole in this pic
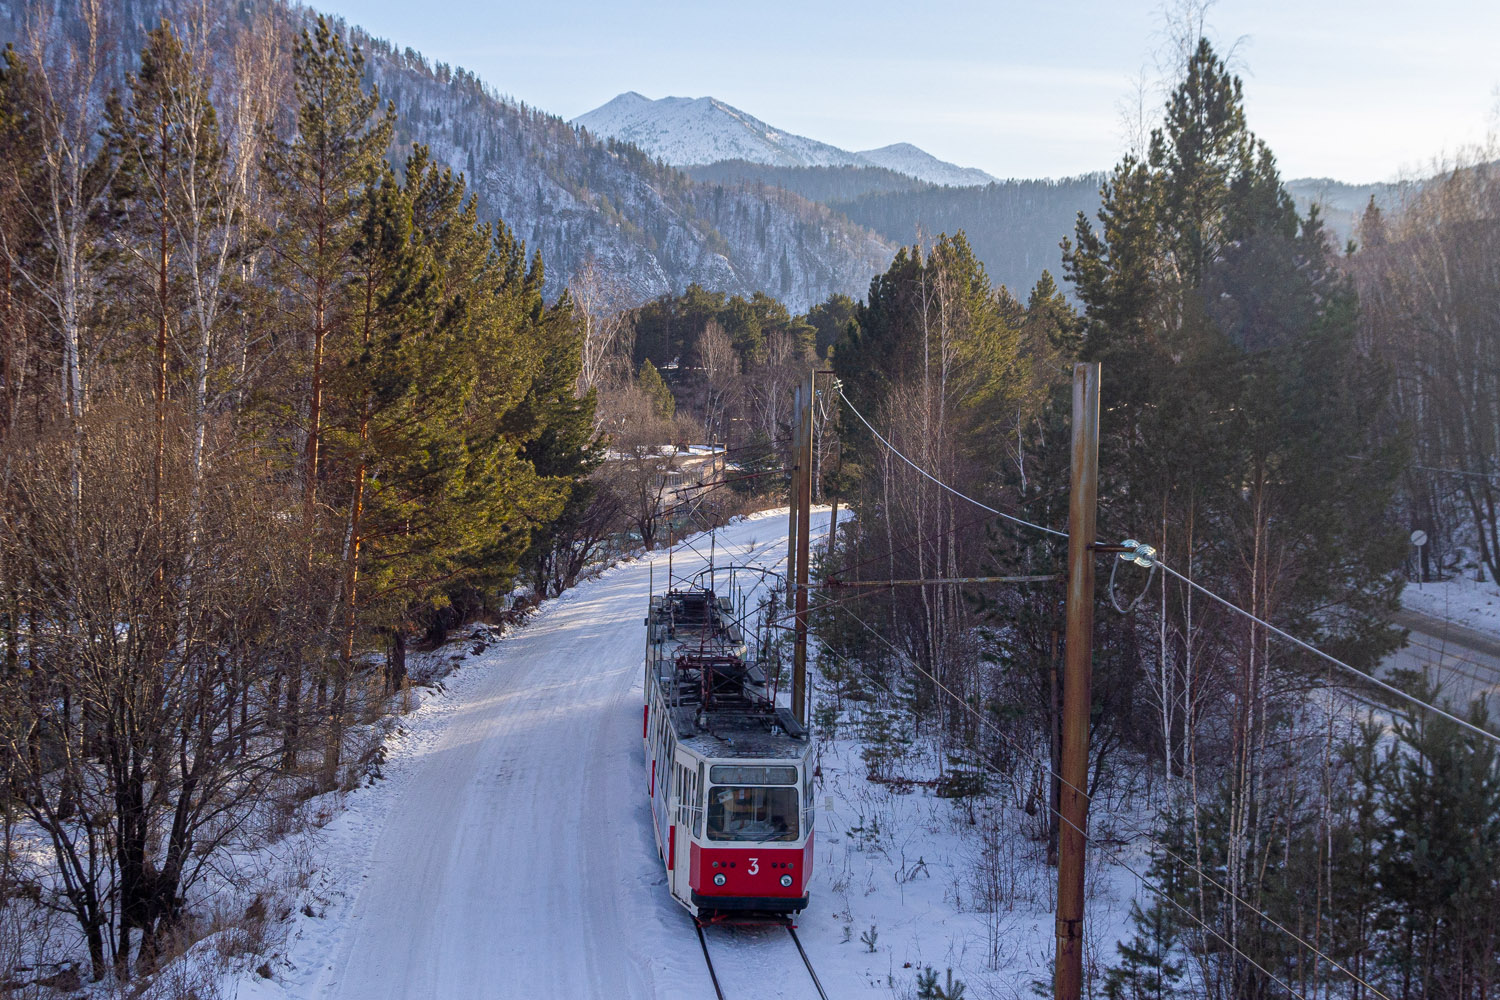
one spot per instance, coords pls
(1077, 671)
(793, 491)
(804, 532)
(833, 518)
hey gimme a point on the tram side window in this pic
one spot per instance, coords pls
(698, 802)
(753, 814)
(688, 797)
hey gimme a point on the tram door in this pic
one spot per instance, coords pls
(686, 814)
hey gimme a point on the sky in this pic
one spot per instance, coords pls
(1356, 90)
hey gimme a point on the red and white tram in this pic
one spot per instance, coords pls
(729, 772)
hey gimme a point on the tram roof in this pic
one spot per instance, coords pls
(753, 736)
(700, 627)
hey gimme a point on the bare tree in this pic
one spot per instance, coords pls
(640, 457)
(582, 540)
(597, 295)
(1430, 287)
(721, 375)
(768, 387)
(69, 74)
(172, 753)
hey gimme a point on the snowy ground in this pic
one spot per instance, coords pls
(507, 851)
(1454, 637)
(1461, 600)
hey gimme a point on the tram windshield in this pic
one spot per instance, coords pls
(753, 814)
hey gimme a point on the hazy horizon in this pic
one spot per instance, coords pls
(1359, 92)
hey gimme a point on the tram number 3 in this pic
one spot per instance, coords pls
(755, 866)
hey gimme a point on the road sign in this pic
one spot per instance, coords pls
(1419, 538)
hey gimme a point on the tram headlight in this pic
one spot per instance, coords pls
(786, 881)
(719, 879)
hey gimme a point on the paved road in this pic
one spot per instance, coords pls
(1464, 661)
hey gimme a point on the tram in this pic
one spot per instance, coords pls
(729, 772)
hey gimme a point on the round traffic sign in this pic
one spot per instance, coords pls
(1419, 538)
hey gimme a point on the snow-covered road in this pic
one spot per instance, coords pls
(509, 853)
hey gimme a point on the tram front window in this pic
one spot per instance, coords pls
(752, 814)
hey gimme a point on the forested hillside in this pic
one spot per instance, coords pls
(1014, 227)
(570, 196)
(1343, 205)
(823, 184)
(576, 198)
(270, 407)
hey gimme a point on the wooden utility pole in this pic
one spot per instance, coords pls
(1077, 671)
(804, 533)
(833, 517)
(793, 492)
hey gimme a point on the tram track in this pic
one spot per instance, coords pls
(712, 974)
(806, 961)
(531, 743)
(746, 967)
(791, 930)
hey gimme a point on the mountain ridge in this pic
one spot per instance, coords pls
(697, 131)
(580, 201)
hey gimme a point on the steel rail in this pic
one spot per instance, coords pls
(805, 960)
(703, 942)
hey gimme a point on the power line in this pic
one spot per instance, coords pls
(1458, 472)
(1108, 853)
(1036, 759)
(1355, 671)
(964, 496)
(1389, 688)
(1155, 562)
(844, 571)
(1103, 849)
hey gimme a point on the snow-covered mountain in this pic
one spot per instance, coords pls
(904, 158)
(577, 199)
(688, 132)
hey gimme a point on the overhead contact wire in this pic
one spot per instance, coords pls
(1107, 852)
(961, 495)
(1190, 866)
(1390, 689)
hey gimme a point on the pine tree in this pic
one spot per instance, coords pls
(166, 139)
(1439, 868)
(371, 429)
(928, 988)
(650, 382)
(564, 448)
(19, 177)
(1239, 440)
(317, 177)
(934, 359)
(830, 321)
(1147, 970)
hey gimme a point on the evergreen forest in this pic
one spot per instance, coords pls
(285, 400)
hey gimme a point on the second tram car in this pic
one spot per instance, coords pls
(729, 772)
